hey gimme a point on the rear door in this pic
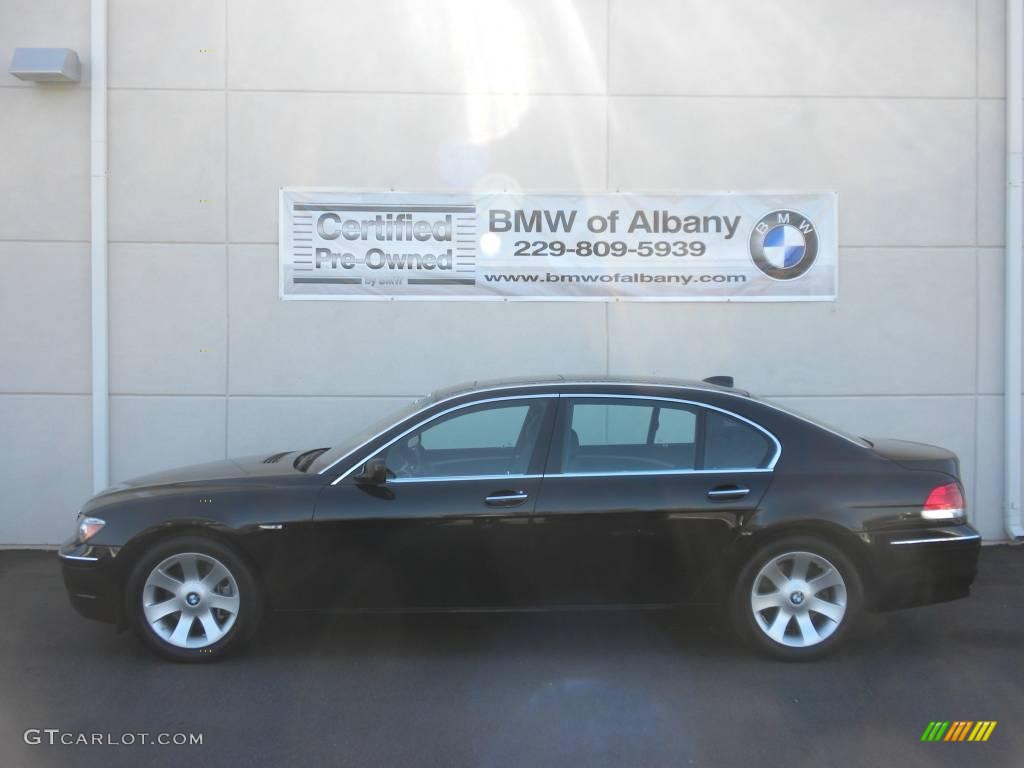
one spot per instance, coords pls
(640, 495)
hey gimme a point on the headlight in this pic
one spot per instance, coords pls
(89, 527)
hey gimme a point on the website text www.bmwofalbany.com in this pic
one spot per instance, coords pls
(614, 277)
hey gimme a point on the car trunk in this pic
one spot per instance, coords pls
(917, 455)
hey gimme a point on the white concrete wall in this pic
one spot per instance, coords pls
(897, 106)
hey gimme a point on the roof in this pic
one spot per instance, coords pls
(526, 381)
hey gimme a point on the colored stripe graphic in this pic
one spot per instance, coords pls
(958, 730)
(982, 730)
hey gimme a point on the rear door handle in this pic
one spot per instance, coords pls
(727, 493)
(506, 498)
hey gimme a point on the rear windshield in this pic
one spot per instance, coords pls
(816, 421)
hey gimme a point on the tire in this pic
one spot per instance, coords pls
(174, 572)
(796, 619)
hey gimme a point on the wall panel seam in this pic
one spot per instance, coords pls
(227, 238)
(972, 492)
(562, 94)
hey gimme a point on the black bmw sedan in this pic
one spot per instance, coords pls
(540, 494)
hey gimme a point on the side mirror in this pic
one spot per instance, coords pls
(375, 472)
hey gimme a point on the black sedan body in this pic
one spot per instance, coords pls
(540, 494)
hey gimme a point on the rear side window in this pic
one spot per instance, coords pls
(600, 424)
(675, 425)
(609, 435)
(629, 436)
(732, 444)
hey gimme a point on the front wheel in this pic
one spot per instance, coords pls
(796, 598)
(192, 598)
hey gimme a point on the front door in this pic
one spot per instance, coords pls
(449, 528)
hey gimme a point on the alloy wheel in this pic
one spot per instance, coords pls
(190, 600)
(798, 599)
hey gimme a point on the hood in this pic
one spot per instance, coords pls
(275, 464)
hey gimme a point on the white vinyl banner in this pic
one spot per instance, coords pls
(545, 247)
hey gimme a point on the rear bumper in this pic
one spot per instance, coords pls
(91, 578)
(922, 566)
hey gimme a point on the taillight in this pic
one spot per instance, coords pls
(945, 502)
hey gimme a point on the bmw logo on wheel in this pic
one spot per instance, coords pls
(784, 244)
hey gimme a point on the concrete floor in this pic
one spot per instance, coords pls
(594, 689)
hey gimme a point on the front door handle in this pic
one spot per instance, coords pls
(727, 493)
(506, 498)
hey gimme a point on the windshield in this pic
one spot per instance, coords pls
(331, 455)
(816, 421)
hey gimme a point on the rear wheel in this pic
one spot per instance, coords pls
(192, 598)
(797, 598)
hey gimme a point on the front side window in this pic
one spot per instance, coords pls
(490, 439)
(628, 436)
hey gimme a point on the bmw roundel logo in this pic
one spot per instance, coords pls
(784, 244)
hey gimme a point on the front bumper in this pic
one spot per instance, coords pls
(91, 576)
(921, 566)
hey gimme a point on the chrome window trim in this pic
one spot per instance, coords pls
(400, 480)
(645, 472)
(611, 395)
(623, 473)
(417, 425)
(556, 385)
(947, 539)
(614, 396)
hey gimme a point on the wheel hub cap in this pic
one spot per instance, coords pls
(798, 599)
(190, 600)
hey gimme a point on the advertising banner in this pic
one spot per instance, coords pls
(335, 244)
